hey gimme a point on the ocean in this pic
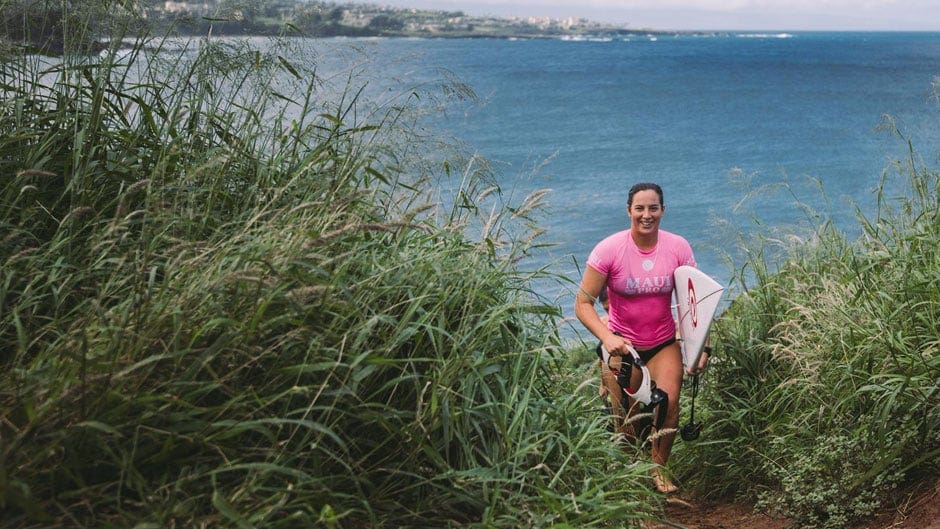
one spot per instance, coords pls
(709, 117)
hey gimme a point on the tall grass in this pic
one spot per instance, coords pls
(227, 300)
(825, 398)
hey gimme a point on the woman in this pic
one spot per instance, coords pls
(636, 267)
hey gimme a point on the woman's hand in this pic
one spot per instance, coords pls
(702, 362)
(617, 345)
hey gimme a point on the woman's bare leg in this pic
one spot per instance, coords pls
(666, 369)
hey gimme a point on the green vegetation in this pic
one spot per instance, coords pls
(229, 298)
(55, 27)
(825, 399)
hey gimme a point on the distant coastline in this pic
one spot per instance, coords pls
(44, 27)
(28, 27)
(329, 19)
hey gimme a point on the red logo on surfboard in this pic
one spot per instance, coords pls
(692, 313)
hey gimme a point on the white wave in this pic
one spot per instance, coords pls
(764, 35)
(585, 38)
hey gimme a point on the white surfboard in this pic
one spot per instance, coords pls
(697, 296)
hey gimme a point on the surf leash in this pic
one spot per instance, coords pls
(691, 430)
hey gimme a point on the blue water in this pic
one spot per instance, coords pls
(697, 114)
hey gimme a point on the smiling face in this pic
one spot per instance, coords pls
(645, 210)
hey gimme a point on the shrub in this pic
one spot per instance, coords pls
(825, 394)
(228, 298)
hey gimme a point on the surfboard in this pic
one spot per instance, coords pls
(697, 297)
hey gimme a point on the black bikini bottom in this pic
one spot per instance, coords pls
(647, 354)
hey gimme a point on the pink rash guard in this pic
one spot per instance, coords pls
(639, 285)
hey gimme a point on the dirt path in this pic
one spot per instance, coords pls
(697, 515)
(916, 509)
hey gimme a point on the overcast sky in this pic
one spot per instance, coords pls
(846, 15)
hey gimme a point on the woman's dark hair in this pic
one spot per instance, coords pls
(646, 186)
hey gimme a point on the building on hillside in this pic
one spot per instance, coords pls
(170, 6)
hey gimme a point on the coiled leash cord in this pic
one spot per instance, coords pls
(691, 430)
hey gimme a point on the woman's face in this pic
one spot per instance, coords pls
(645, 212)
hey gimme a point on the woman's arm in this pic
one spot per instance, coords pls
(586, 311)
